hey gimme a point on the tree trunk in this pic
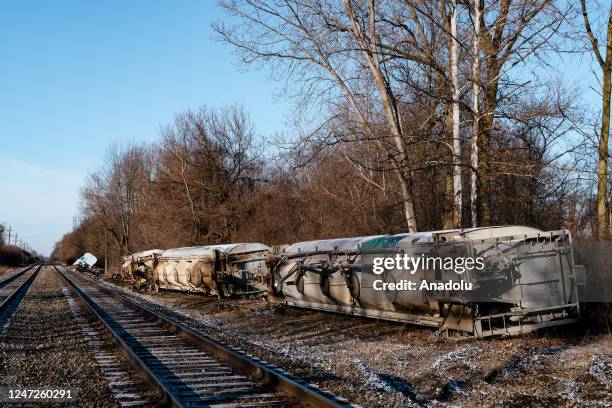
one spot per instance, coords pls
(390, 107)
(448, 214)
(487, 123)
(476, 116)
(457, 182)
(408, 200)
(602, 171)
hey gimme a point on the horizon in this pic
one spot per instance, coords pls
(79, 77)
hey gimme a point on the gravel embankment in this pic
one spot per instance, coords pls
(43, 346)
(382, 364)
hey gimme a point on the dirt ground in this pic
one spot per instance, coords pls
(384, 364)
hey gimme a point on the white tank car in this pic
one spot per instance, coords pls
(520, 278)
(86, 261)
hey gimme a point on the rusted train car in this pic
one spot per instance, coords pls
(139, 266)
(219, 270)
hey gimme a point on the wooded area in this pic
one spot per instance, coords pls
(408, 116)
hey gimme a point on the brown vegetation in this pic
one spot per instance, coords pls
(11, 255)
(394, 133)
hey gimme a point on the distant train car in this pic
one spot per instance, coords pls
(219, 270)
(520, 278)
(85, 262)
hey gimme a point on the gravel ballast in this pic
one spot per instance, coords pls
(383, 364)
(42, 346)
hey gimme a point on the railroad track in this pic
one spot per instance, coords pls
(15, 275)
(190, 369)
(13, 289)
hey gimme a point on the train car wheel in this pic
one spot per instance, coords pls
(353, 285)
(324, 283)
(299, 283)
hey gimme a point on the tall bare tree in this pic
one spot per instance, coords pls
(454, 74)
(327, 46)
(512, 33)
(209, 159)
(116, 193)
(476, 9)
(605, 63)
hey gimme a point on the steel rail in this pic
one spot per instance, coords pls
(15, 276)
(257, 370)
(167, 399)
(6, 303)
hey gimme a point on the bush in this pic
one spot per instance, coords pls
(13, 256)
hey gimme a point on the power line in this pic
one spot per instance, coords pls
(13, 239)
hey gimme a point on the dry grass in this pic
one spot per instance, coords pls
(3, 269)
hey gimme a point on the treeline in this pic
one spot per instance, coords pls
(409, 115)
(11, 256)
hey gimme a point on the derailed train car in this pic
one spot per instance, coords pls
(139, 267)
(219, 270)
(527, 279)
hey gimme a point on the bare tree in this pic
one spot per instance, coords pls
(476, 11)
(328, 47)
(118, 191)
(454, 74)
(383, 56)
(209, 159)
(512, 33)
(605, 63)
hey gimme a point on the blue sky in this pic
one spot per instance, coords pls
(78, 75)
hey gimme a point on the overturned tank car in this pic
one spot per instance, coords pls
(139, 266)
(219, 270)
(520, 279)
(86, 262)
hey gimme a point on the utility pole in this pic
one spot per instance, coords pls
(9, 237)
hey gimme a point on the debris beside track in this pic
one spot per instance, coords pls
(382, 364)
